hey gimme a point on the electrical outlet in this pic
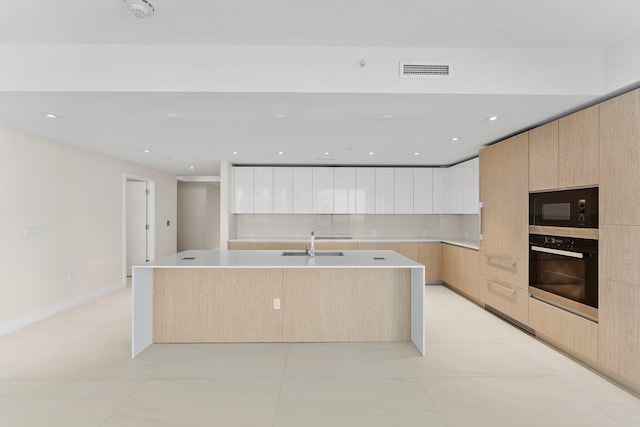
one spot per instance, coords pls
(276, 303)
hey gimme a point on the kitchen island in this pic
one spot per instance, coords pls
(263, 296)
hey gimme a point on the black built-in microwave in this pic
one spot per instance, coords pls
(566, 208)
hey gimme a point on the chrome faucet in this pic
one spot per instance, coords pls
(312, 249)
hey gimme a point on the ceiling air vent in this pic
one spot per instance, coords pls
(425, 70)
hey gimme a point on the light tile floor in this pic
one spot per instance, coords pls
(75, 370)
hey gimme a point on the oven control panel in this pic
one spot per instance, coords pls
(567, 243)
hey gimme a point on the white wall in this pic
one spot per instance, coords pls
(77, 197)
(198, 215)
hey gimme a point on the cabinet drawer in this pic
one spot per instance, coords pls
(505, 269)
(576, 334)
(506, 298)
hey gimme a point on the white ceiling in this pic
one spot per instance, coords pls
(212, 124)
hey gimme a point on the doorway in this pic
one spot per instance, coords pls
(138, 222)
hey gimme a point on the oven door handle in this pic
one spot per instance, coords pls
(557, 252)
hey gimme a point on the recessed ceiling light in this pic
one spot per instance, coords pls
(371, 153)
(279, 116)
(326, 153)
(455, 138)
(493, 118)
(51, 116)
(416, 154)
(235, 152)
(281, 152)
(146, 151)
(172, 115)
(386, 116)
(192, 167)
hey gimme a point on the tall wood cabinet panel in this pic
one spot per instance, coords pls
(620, 160)
(504, 193)
(543, 157)
(504, 248)
(578, 149)
(619, 323)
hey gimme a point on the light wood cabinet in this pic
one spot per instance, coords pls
(620, 160)
(504, 192)
(449, 264)
(429, 256)
(573, 333)
(506, 298)
(460, 269)
(504, 248)
(578, 149)
(564, 153)
(248, 246)
(543, 157)
(619, 323)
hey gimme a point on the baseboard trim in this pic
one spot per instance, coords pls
(38, 315)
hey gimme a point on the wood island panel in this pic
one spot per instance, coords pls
(216, 305)
(337, 305)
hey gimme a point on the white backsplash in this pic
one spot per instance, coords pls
(355, 226)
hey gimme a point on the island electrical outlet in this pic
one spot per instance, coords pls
(276, 303)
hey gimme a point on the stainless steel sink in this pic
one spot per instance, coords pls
(318, 253)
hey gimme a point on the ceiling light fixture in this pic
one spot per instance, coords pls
(279, 116)
(192, 167)
(281, 152)
(371, 153)
(146, 151)
(172, 115)
(386, 116)
(50, 116)
(455, 138)
(140, 8)
(493, 118)
(326, 153)
(235, 152)
(416, 154)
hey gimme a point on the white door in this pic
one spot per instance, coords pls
(137, 232)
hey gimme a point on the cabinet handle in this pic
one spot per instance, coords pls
(501, 262)
(480, 206)
(503, 289)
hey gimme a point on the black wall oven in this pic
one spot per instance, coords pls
(566, 208)
(563, 271)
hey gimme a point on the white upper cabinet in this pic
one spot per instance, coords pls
(323, 190)
(439, 189)
(282, 190)
(463, 187)
(385, 187)
(403, 193)
(302, 190)
(365, 190)
(423, 190)
(242, 190)
(263, 190)
(344, 197)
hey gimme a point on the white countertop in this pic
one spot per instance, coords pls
(273, 259)
(466, 243)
